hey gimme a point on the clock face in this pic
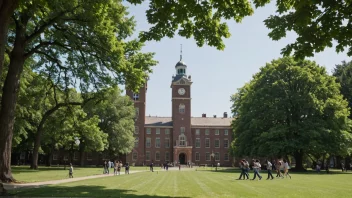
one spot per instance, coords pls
(181, 91)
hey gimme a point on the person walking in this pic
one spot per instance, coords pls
(70, 171)
(286, 167)
(115, 167)
(119, 167)
(151, 167)
(256, 167)
(241, 164)
(127, 168)
(269, 168)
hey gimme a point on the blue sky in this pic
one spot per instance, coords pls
(216, 75)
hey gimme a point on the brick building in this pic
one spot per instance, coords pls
(181, 137)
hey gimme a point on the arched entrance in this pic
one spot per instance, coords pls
(182, 158)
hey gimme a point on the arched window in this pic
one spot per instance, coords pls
(181, 108)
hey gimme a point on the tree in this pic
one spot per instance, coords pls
(73, 42)
(291, 108)
(116, 114)
(343, 74)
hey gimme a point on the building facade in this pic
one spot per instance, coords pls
(180, 138)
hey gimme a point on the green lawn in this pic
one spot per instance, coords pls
(24, 174)
(200, 183)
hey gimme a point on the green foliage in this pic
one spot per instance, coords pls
(81, 43)
(343, 74)
(291, 107)
(116, 114)
(317, 23)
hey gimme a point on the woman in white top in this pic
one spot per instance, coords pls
(286, 167)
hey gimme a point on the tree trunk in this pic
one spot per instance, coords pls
(298, 155)
(8, 103)
(7, 8)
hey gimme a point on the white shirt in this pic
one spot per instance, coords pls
(269, 166)
(286, 165)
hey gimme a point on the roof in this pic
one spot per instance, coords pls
(180, 63)
(195, 121)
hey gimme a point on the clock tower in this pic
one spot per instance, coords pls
(181, 114)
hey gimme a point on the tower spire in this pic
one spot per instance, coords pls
(181, 53)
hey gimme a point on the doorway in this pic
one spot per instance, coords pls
(182, 158)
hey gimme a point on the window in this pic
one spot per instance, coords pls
(217, 143)
(149, 130)
(207, 143)
(135, 96)
(197, 142)
(134, 156)
(54, 156)
(167, 131)
(217, 132)
(136, 142)
(89, 156)
(182, 140)
(197, 157)
(197, 131)
(157, 156)
(206, 131)
(217, 156)
(182, 82)
(226, 143)
(167, 143)
(181, 108)
(75, 156)
(226, 132)
(148, 142)
(182, 130)
(167, 156)
(157, 142)
(226, 157)
(136, 130)
(157, 131)
(137, 112)
(147, 156)
(207, 156)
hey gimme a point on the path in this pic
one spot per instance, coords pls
(11, 186)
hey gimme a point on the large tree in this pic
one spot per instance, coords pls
(343, 74)
(80, 42)
(291, 108)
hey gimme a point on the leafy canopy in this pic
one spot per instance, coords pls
(290, 107)
(343, 74)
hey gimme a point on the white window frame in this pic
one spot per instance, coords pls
(198, 145)
(206, 131)
(147, 156)
(167, 131)
(182, 130)
(217, 141)
(217, 132)
(207, 156)
(135, 96)
(182, 140)
(226, 132)
(149, 131)
(227, 143)
(157, 142)
(197, 131)
(148, 142)
(167, 156)
(217, 156)
(167, 142)
(207, 139)
(157, 131)
(136, 142)
(157, 154)
(197, 156)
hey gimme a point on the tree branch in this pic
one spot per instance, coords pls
(44, 44)
(53, 59)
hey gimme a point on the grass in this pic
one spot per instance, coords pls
(24, 174)
(201, 183)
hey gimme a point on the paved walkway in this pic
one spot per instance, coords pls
(11, 186)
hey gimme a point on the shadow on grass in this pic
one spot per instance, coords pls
(79, 191)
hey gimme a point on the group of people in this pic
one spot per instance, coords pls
(117, 165)
(164, 165)
(277, 166)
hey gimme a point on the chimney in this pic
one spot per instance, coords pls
(225, 114)
(204, 115)
(214, 116)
